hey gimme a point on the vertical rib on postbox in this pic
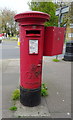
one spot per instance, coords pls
(31, 52)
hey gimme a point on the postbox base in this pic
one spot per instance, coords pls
(30, 98)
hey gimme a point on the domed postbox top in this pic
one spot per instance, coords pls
(31, 18)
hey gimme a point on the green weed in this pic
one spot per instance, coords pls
(56, 60)
(16, 94)
(44, 91)
(13, 108)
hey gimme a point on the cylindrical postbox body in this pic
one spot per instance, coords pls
(31, 52)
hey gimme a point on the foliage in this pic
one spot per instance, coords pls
(70, 14)
(16, 94)
(47, 7)
(44, 90)
(13, 108)
(8, 25)
(56, 60)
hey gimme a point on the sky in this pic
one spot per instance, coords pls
(20, 5)
(17, 5)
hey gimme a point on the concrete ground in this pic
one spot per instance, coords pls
(10, 81)
(0, 81)
(56, 76)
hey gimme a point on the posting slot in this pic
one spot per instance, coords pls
(32, 32)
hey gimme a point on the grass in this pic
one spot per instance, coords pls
(56, 60)
(13, 108)
(13, 38)
(16, 94)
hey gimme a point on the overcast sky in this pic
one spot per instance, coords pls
(21, 5)
(16, 5)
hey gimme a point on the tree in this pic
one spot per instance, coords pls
(47, 7)
(8, 25)
(70, 19)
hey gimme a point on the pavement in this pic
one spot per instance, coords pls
(56, 76)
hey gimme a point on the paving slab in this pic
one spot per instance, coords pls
(10, 66)
(14, 63)
(5, 63)
(0, 89)
(57, 77)
(37, 111)
(0, 100)
(12, 69)
(9, 84)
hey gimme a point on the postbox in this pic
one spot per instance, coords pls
(31, 51)
(53, 41)
(36, 41)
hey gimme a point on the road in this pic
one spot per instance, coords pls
(9, 50)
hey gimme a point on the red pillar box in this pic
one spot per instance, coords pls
(53, 41)
(31, 52)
